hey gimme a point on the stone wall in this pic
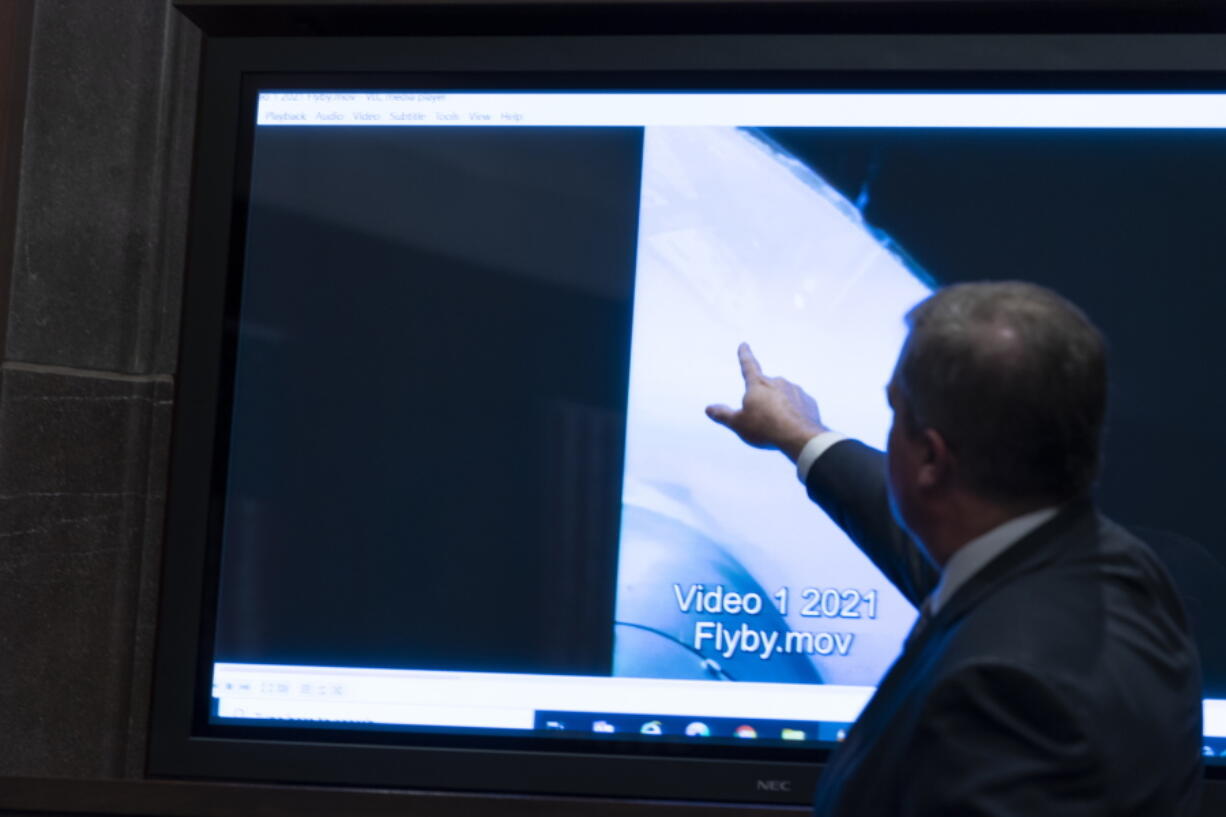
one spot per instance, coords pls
(87, 380)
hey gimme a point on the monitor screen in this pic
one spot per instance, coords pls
(470, 495)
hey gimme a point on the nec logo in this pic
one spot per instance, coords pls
(774, 785)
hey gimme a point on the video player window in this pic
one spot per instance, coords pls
(470, 486)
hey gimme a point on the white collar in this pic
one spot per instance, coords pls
(975, 554)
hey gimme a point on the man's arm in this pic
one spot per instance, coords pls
(847, 481)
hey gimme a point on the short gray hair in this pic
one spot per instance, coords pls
(1014, 378)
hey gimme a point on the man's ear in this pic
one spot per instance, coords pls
(935, 459)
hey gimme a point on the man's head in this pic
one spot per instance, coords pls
(999, 393)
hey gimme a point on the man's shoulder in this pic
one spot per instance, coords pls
(1100, 611)
(1074, 608)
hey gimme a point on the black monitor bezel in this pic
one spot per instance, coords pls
(236, 68)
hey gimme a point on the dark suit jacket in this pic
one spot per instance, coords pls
(1060, 680)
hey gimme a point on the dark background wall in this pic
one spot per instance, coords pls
(96, 118)
(14, 56)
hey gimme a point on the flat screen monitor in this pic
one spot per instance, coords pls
(462, 503)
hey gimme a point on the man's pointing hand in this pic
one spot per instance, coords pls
(774, 413)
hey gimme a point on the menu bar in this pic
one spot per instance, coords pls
(848, 110)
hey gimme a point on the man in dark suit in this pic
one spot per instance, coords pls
(1051, 671)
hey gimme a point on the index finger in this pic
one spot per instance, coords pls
(750, 369)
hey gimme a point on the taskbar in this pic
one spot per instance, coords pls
(650, 726)
(600, 726)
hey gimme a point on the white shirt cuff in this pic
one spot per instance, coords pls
(813, 449)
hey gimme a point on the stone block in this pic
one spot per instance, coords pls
(79, 532)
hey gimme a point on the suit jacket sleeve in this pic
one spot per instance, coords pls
(848, 481)
(995, 740)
